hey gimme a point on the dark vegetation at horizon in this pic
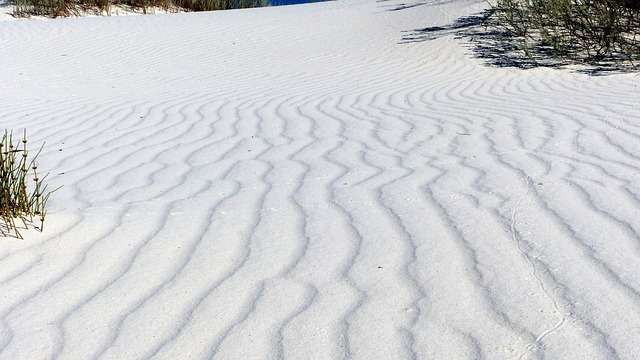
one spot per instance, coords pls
(602, 34)
(67, 8)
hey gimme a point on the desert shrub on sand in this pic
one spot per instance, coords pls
(23, 195)
(584, 30)
(65, 8)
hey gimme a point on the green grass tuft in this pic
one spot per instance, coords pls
(23, 195)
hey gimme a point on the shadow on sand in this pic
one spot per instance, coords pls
(497, 47)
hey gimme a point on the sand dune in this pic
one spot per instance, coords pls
(298, 182)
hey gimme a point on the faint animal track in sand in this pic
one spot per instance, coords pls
(516, 239)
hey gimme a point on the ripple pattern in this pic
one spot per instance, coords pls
(309, 187)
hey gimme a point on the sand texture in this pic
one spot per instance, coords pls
(312, 182)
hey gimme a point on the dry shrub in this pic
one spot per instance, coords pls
(584, 30)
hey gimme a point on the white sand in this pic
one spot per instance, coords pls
(296, 182)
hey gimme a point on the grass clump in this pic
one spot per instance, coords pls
(23, 195)
(66, 8)
(581, 30)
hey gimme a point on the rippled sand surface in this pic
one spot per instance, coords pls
(301, 183)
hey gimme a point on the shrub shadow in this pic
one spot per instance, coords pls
(497, 47)
(405, 6)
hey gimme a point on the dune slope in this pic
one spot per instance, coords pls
(299, 182)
